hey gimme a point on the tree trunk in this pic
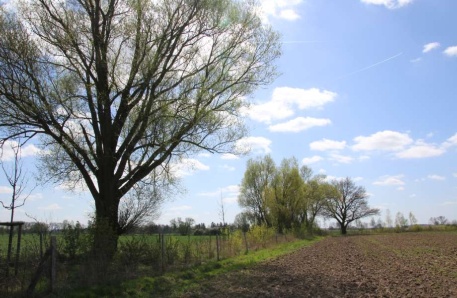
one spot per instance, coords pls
(343, 229)
(106, 231)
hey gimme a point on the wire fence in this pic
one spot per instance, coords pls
(63, 260)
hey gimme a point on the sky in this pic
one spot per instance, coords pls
(368, 90)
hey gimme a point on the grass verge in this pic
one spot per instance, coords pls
(174, 284)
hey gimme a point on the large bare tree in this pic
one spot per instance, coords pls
(115, 90)
(349, 204)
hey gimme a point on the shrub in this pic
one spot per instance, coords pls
(132, 251)
(75, 240)
(261, 234)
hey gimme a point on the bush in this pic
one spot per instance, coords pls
(75, 241)
(261, 234)
(415, 228)
(132, 251)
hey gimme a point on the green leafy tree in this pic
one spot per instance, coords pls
(412, 219)
(388, 219)
(257, 178)
(349, 204)
(400, 221)
(117, 90)
(286, 196)
(373, 223)
(242, 223)
(316, 192)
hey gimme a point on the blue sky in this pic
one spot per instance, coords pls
(368, 89)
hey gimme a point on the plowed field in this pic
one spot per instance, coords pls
(392, 265)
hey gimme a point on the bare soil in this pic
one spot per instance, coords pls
(391, 265)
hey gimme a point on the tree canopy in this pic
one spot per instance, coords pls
(116, 90)
(348, 204)
(286, 196)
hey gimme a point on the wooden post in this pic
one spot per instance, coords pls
(41, 244)
(209, 250)
(53, 262)
(217, 246)
(246, 242)
(18, 250)
(10, 244)
(162, 244)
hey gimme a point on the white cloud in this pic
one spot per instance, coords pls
(400, 188)
(436, 177)
(77, 187)
(452, 141)
(5, 190)
(51, 207)
(187, 166)
(7, 152)
(455, 175)
(390, 4)
(390, 180)
(430, 46)
(35, 197)
(299, 124)
(413, 195)
(447, 203)
(229, 156)
(330, 178)
(282, 9)
(285, 100)
(257, 145)
(289, 14)
(341, 158)
(228, 168)
(420, 150)
(180, 208)
(229, 194)
(311, 160)
(451, 51)
(326, 144)
(357, 179)
(231, 188)
(386, 140)
(416, 60)
(403, 145)
(230, 200)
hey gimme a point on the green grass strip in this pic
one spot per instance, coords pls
(173, 284)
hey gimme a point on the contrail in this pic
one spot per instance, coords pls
(371, 66)
(301, 41)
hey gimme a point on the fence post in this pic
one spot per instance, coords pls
(53, 262)
(18, 249)
(246, 242)
(41, 244)
(10, 243)
(217, 245)
(209, 251)
(162, 248)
